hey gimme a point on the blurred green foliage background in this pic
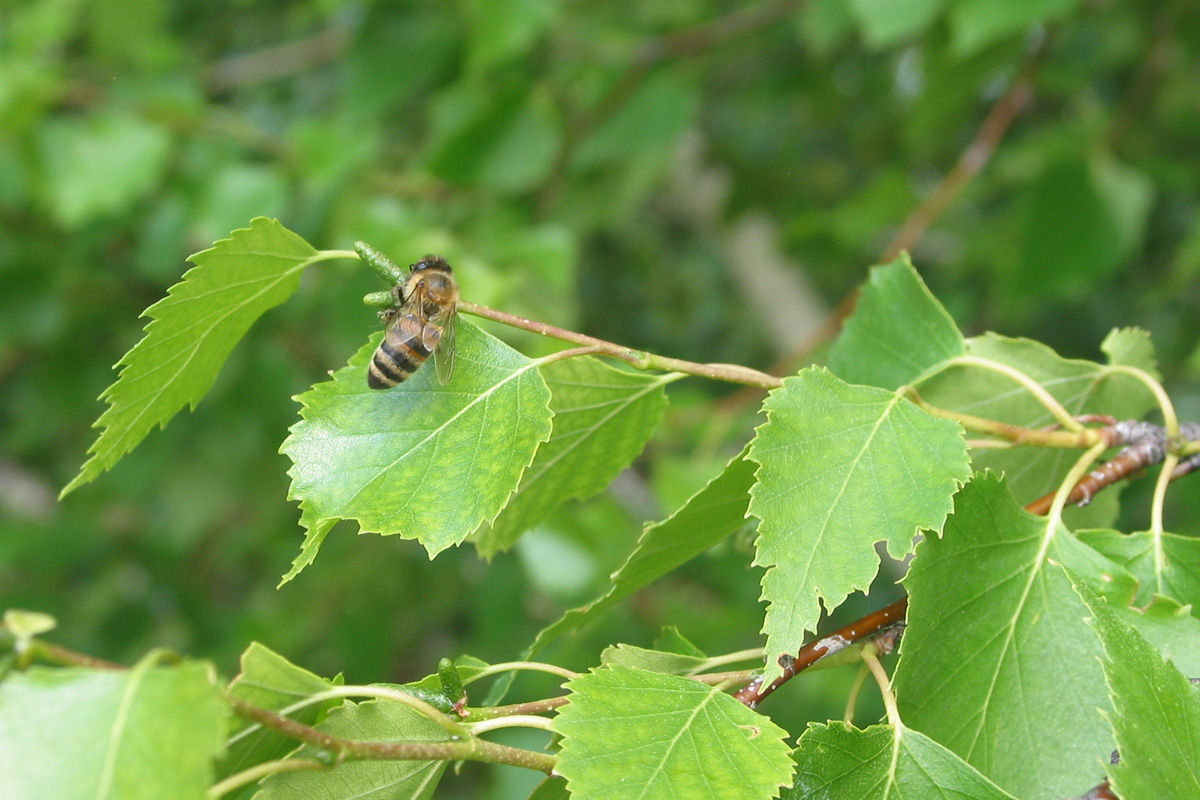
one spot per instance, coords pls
(702, 179)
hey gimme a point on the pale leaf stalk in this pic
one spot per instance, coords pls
(753, 654)
(263, 770)
(1080, 468)
(1156, 516)
(1012, 435)
(871, 659)
(512, 666)
(513, 721)
(378, 692)
(723, 679)
(516, 709)
(1170, 419)
(1033, 387)
(855, 690)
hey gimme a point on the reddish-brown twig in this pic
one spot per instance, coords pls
(873, 624)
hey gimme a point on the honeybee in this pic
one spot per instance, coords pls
(419, 324)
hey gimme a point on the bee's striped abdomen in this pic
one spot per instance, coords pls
(399, 355)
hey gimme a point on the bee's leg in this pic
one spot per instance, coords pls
(387, 314)
(398, 294)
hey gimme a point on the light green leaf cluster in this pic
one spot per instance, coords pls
(628, 733)
(149, 732)
(191, 332)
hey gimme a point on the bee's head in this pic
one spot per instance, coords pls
(433, 277)
(431, 262)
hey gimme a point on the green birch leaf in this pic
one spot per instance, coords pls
(634, 734)
(1155, 713)
(373, 721)
(270, 681)
(898, 331)
(142, 734)
(99, 164)
(997, 663)
(314, 537)
(1167, 565)
(1131, 347)
(974, 24)
(880, 763)
(710, 516)
(885, 23)
(554, 788)
(842, 467)
(628, 655)
(603, 418)
(1169, 627)
(191, 332)
(422, 460)
(1082, 387)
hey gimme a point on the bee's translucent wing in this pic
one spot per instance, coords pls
(443, 356)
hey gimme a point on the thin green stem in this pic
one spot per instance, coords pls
(379, 692)
(514, 721)
(871, 659)
(532, 707)
(330, 255)
(562, 355)
(263, 770)
(753, 654)
(1078, 470)
(855, 690)
(1170, 420)
(1013, 434)
(512, 666)
(1156, 514)
(726, 678)
(639, 359)
(1033, 387)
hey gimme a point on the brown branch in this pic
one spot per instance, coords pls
(974, 158)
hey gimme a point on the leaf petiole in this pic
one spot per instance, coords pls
(1033, 387)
